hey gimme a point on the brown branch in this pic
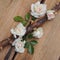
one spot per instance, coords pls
(57, 7)
(6, 42)
(42, 1)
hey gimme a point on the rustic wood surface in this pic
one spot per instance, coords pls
(48, 47)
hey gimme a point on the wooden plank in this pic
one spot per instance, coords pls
(48, 47)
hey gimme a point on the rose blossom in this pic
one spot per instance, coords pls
(38, 33)
(50, 14)
(19, 45)
(38, 10)
(19, 30)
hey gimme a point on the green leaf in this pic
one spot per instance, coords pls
(34, 42)
(24, 22)
(30, 49)
(18, 19)
(26, 45)
(33, 18)
(27, 16)
(30, 36)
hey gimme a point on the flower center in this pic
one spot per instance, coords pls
(20, 44)
(17, 30)
(38, 9)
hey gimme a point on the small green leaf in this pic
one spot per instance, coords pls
(26, 45)
(34, 42)
(27, 16)
(30, 49)
(18, 19)
(33, 18)
(24, 22)
(30, 36)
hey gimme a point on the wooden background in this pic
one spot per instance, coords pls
(48, 47)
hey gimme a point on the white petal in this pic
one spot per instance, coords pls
(50, 14)
(16, 41)
(22, 29)
(37, 3)
(19, 45)
(38, 33)
(13, 31)
(35, 15)
(32, 7)
(50, 11)
(21, 50)
(19, 30)
(13, 44)
(35, 9)
(15, 36)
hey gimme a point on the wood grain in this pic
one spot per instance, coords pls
(48, 47)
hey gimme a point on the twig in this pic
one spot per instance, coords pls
(8, 54)
(42, 1)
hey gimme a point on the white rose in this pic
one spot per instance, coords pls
(38, 33)
(38, 10)
(50, 14)
(19, 45)
(19, 30)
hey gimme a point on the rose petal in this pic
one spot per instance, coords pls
(19, 30)
(37, 3)
(21, 50)
(50, 14)
(38, 33)
(19, 45)
(32, 7)
(36, 11)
